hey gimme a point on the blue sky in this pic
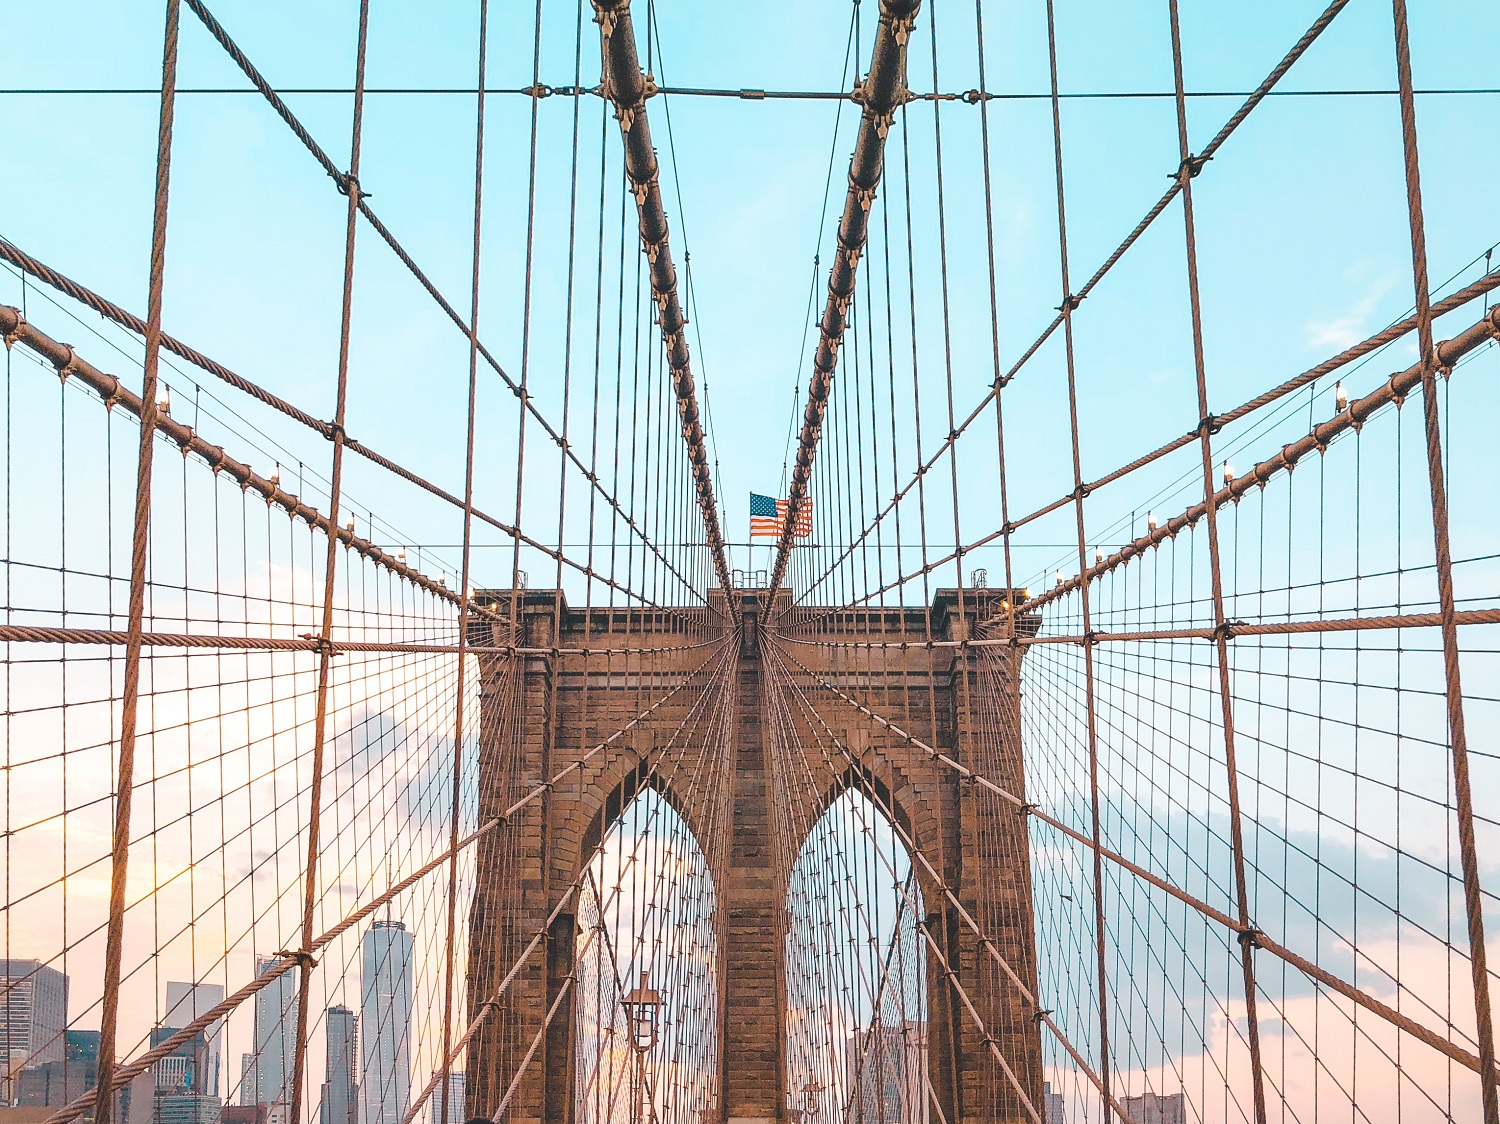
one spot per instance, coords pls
(1302, 236)
(1301, 217)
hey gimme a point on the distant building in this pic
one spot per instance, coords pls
(887, 1074)
(385, 1024)
(53, 1084)
(1153, 1108)
(269, 1075)
(33, 1013)
(340, 1100)
(82, 1045)
(185, 1084)
(243, 1113)
(455, 1101)
(1054, 1110)
(187, 1002)
(247, 1081)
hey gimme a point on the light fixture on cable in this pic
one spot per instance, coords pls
(643, 1005)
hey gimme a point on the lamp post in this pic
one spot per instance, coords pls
(810, 1093)
(642, 1007)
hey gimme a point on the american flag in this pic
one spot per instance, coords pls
(768, 517)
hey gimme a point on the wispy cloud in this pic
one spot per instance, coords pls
(1339, 332)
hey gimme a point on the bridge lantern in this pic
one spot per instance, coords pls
(810, 1093)
(642, 1005)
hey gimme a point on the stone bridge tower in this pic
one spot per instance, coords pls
(544, 711)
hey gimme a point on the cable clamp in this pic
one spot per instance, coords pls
(1444, 369)
(322, 645)
(1042, 1013)
(1070, 302)
(539, 90)
(1226, 630)
(1081, 492)
(974, 97)
(71, 366)
(1250, 937)
(1028, 809)
(1189, 168)
(348, 184)
(15, 333)
(1209, 424)
(305, 959)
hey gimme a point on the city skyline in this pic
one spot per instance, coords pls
(55, 1062)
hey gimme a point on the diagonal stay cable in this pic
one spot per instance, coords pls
(934, 876)
(1262, 940)
(584, 872)
(291, 959)
(882, 93)
(16, 329)
(944, 960)
(627, 88)
(1486, 284)
(1394, 389)
(345, 184)
(1197, 163)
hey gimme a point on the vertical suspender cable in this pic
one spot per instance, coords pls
(1089, 676)
(1453, 687)
(627, 88)
(882, 93)
(140, 538)
(456, 806)
(1187, 169)
(349, 183)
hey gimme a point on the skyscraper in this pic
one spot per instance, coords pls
(187, 1080)
(887, 1074)
(270, 1071)
(455, 1101)
(385, 1024)
(33, 1012)
(1055, 1111)
(340, 1088)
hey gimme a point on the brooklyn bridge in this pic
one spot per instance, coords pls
(406, 719)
